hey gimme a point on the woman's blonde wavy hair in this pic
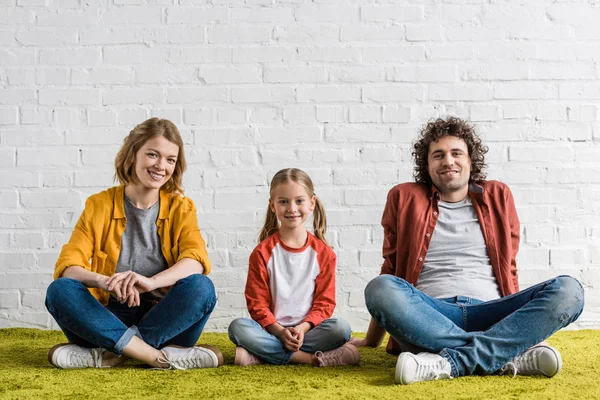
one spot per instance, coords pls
(153, 127)
(300, 177)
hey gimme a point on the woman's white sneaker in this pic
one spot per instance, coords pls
(191, 357)
(71, 356)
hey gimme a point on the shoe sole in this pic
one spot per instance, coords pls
(216, 351)
(243, 358)
(239, 354)
(559, 358)
(52, 351)
(355, 353)
(399, 365)
(558, 361)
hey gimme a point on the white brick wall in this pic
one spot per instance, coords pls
(339, 88)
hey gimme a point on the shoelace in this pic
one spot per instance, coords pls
(525, 362)
(165, 360)
(325, 359)
(191, 360)
(92, 359)
(509, 368)
(431, 371)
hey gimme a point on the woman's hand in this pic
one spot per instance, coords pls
(127, 286)
(133, 298)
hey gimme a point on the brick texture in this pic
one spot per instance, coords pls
(339, 89)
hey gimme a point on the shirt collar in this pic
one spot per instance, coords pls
(474, 188)
(435, 193)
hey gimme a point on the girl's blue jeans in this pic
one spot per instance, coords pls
(178, 319)
(247, 333)
(475, 337)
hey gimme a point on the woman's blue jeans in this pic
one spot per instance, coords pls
(247, 333)
(178, 319)
(474, 336)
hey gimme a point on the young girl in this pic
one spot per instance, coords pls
(144, 294)
(290, 290)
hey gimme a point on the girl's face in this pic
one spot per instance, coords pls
(292, 205)
(155, 162)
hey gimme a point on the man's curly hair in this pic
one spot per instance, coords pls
(440, 128)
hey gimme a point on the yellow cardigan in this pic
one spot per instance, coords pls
(97, 235)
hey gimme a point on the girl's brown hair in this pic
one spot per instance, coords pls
(300, 177)
(125, 159)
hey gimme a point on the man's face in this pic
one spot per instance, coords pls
(449, 166)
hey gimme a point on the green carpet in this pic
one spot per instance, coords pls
(25, 373)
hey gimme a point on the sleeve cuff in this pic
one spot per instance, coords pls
(314, 319)
(267, 321)
(198, 257)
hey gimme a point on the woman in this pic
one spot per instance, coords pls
(144, 294)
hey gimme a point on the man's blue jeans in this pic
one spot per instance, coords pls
(178, 319)
(474, 336)
(247, 333)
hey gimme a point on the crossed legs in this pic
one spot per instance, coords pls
(473, 336)
(178, 319)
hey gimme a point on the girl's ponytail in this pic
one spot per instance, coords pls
(319, 221)
(270, 226)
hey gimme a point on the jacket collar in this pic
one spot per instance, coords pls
(474, 189)
(165, 198)
(434, 193)
(119, 206)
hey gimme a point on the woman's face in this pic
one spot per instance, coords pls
(155, 162)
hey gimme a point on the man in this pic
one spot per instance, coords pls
(448, 288)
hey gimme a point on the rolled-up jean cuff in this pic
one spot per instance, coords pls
(453, 366)
(126, 338)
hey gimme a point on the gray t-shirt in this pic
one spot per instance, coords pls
(140, 244)
(457, 262)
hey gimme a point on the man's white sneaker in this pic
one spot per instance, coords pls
(69, 356)
(412, 368)
(191, 357)
(538, 360)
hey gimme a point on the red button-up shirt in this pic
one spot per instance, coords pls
(409, 218)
